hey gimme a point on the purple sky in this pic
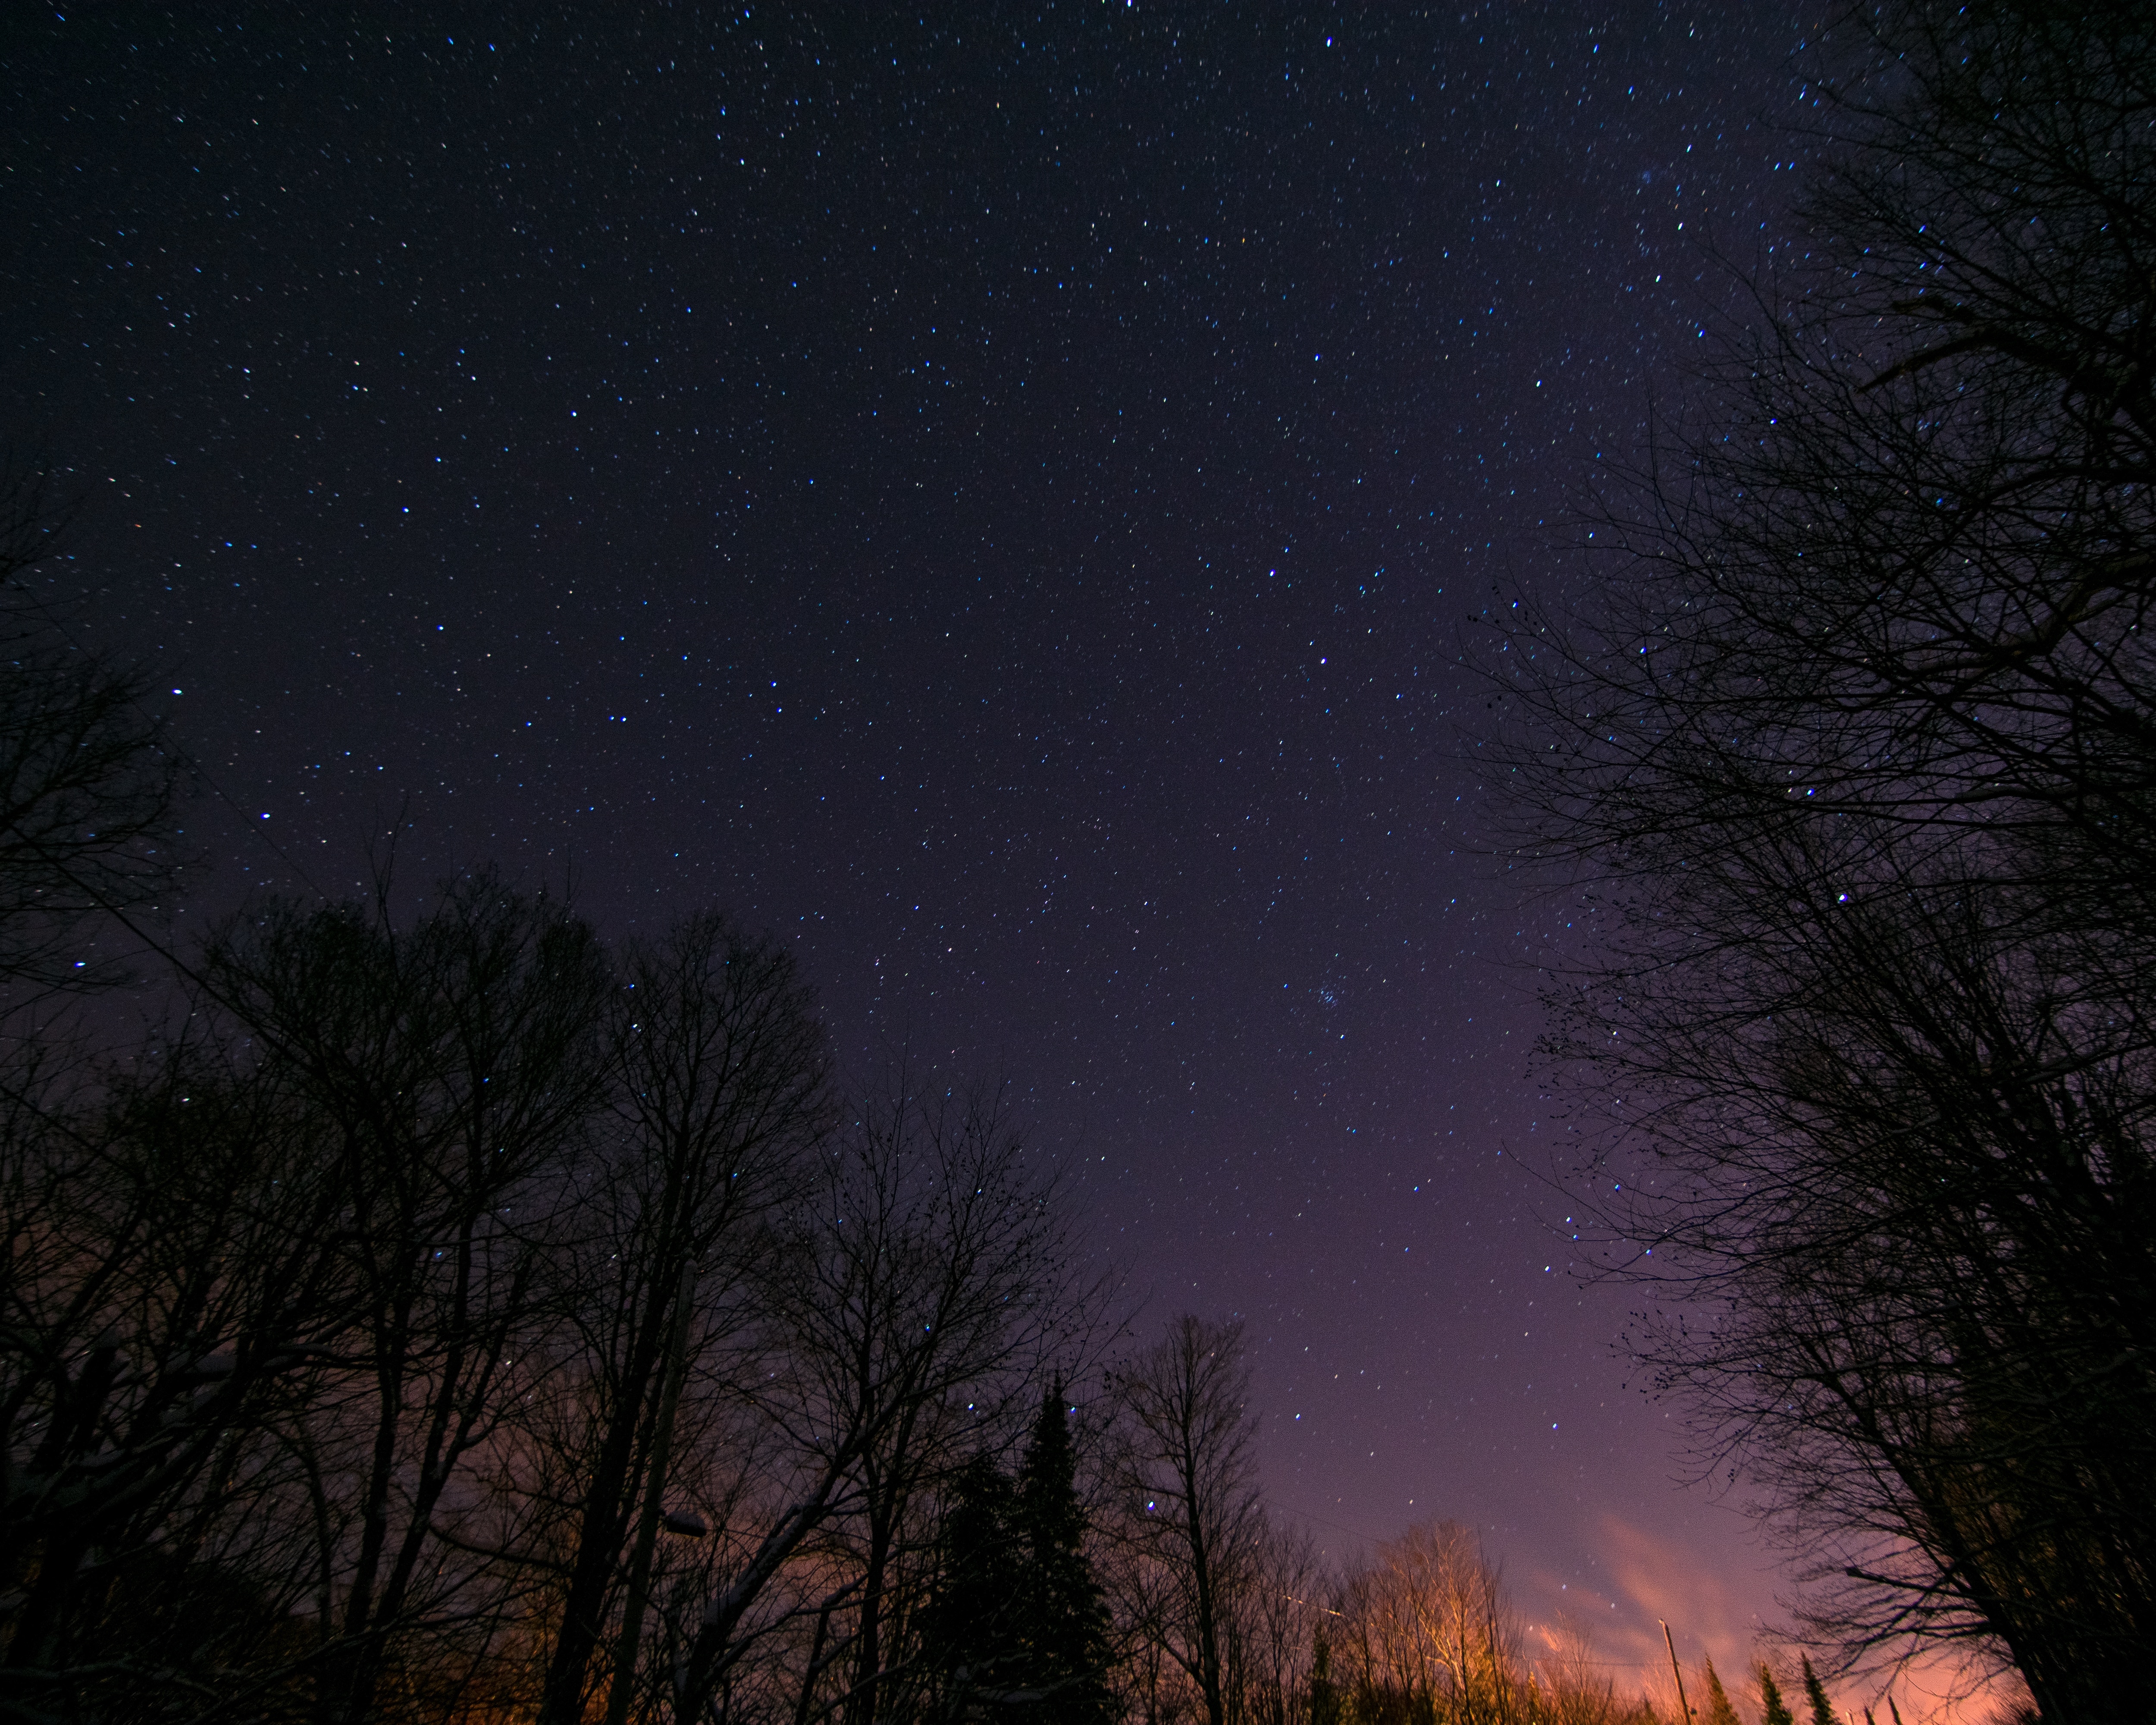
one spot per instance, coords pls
(997, 502)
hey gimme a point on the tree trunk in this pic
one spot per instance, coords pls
(603, 1522)
(654, 1490)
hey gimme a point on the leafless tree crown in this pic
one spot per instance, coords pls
(1852, 772)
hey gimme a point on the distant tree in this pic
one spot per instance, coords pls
(1065, 1617)
(1815, 1694)
(1269, 1651)
(1718, 1710)
(1773, 1709)
(1324, 1697)
(1188, 1506)
(1573, 1687)
(1431, 1632)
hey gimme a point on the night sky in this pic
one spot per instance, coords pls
(996, 499)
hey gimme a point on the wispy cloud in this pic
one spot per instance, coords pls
(1653, 1579)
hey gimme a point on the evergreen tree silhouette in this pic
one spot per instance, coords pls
(1718, 1710)
(1066, 1619)
(1815, 1692)
(1017, 1624)
(973, 1633)
(1773, 1709)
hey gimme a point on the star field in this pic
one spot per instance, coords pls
(996, 497)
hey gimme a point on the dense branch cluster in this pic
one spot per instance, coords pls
(376, 1341)
(1856, 759)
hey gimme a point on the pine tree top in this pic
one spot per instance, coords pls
(1815, 1692)
(1773, 1709)
(1047, 1478)
(1719, 1710)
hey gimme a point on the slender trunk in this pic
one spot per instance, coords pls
(1208, 1642)
(815, 1668)
(1201, 1577)
(348, 1690)
(448, 1429)
(605, 1515)
(868, 1668)
(451, 1416)
(647, 1525)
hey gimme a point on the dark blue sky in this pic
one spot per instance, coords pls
(998, 500)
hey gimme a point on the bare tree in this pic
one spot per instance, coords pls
(1273, 1630)
(718, 1076)
(1188, 1507)
(917, 1302)
(1857, 765)
(454, 1069)
(1570, 1687)
(1429, 1633)
(170, 1248)
(89, 779)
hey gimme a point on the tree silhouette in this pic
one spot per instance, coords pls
(1815, 1694)
(911, 1296)
(974, 1630)
(1187, 1493)
(1066, 1616)
(1773, 1709)
(718, 1063)
(1719, 1710)
(1855, 763)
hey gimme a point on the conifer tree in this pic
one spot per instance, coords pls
(1718, 1710)
(1773, 1709)
(1067, 1625)
(971, 1635)
(1815, 1692)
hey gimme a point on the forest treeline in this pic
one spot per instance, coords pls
(447, 1314)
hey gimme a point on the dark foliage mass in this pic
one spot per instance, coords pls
(1858, 763)
(1018, 1624)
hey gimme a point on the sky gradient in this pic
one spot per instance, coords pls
(999, 502)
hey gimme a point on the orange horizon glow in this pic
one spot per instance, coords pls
(1656, 1581)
